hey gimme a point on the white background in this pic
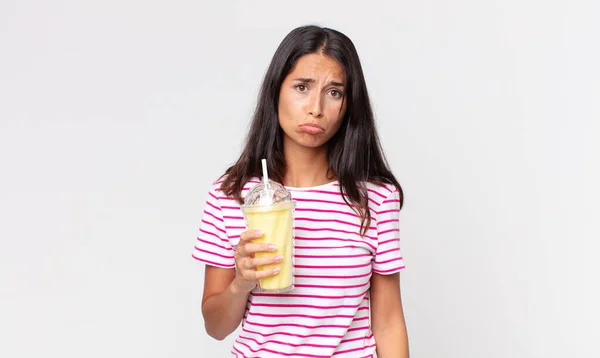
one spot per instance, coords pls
(116, 116)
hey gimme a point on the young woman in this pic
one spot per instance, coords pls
(314, 125)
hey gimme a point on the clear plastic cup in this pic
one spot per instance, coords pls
(271, 209)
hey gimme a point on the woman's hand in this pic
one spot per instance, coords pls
(246, 275)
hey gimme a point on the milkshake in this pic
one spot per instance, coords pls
(269, 207)
(276, 222)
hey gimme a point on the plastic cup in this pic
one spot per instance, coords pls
(276, 221)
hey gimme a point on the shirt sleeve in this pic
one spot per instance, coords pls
(212, 245)
(388, 257)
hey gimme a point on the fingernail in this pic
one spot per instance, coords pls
(259, 232)
(278, 258)
(276, 270)
(272, 247)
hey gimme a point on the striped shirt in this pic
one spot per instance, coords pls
(327, 312)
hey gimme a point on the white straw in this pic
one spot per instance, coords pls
(265, 173)
(266, 197)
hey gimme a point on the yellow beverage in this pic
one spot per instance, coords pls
(276, 223)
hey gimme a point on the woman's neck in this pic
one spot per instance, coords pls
(305, 167)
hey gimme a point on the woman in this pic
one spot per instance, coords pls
(314, 125)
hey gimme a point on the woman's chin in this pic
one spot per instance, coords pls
(308, 141)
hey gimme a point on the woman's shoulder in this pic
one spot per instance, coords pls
(217, 184)
(380, 191)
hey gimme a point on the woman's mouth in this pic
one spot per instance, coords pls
(311, 128)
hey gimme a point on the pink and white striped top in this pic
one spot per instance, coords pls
(327, 313)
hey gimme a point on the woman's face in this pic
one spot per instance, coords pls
(312, 101)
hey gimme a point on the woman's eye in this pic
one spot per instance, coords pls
(335, 93)
(301, 88)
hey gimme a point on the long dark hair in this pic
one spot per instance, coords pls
(354, 153)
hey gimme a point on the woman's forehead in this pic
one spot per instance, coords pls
(318, 66)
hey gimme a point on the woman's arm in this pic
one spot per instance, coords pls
(387, 316)
(226, 290)
(223, 304)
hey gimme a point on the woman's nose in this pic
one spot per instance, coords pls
(316, 106)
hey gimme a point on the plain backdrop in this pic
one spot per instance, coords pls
(116, 116)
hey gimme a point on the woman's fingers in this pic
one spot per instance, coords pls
(266, 273)
(262, 261)
(245, 239)
(246, 262)
(249, 267)
(250, 235)
(262, 247)
(251, 274)
(247, 248)
(253, 263)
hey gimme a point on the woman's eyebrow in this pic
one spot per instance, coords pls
(310, 80)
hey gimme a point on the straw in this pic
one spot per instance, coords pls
(265, 173)
(267, 196)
